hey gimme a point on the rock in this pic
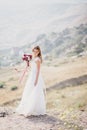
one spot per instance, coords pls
(5, 111)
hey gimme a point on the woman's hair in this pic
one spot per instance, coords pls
(40, 54)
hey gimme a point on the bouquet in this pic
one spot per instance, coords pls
(27, 58)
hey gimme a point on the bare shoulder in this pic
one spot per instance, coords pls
(37, 59)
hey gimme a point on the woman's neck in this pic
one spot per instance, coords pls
(36, 57)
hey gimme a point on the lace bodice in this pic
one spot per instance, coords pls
(33, 64)
(37, 58)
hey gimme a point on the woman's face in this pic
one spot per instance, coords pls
(35, 52)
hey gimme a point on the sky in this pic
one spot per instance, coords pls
(5, 2)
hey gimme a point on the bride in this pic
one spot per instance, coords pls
(33, 98)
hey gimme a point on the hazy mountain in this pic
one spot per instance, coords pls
(73, 16)
(21, 23)
(59, 29)
(69, 42)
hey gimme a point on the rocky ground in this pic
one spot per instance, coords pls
(9, 120)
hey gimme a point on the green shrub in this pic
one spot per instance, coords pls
(80, 105)
(2, 85)
(14, 88)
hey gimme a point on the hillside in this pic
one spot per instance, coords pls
(60, 30)
(66, 97)
(71, 42)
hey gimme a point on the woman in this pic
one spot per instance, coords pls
(33, 98)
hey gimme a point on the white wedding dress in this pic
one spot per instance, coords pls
(33, 97)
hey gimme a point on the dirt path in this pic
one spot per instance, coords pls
(13, 121)
(9, 120)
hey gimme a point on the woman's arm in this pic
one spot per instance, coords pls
(37, 73)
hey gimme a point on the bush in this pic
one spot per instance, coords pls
(2, 85)
(14, 88)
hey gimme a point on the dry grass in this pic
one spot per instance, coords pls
(51, 75)
(69, 97)
(69, 105)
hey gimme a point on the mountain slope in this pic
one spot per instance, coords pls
(69, 42)
(21, 24)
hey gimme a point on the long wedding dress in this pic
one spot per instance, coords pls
(33, 97)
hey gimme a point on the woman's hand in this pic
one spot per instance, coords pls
(37, 73)
(35, 83)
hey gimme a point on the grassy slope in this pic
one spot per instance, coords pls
(68, 104)
(51, 75)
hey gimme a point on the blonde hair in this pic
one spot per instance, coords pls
(40, 54)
